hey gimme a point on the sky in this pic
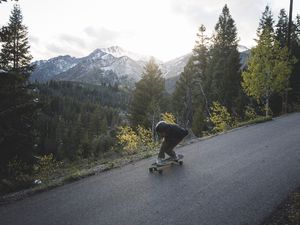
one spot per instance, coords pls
(165, 29)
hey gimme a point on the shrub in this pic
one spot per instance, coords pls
(132, 141)
(102, 144)
(250, 113)
(220, 117)
(145, 139)
(45, 167)
(168, 117)
(128, 139)
(19, 176)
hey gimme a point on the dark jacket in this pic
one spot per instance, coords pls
(173, 131)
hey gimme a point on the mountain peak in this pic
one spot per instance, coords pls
(118, 52)
(114, 49)
(97, 54)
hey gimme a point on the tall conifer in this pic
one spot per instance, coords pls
(266, 23)
(183, 98)
(15, 55)
(147, 102)
(282, 28)
(17, 107)
(189, 97)
(201, 60)
(224, 66)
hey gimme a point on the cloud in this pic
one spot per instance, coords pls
(99, 37)
(34, 40)
(77, 44)
(102, 35)
(59, 48)
(246, 15)
(72, 40)
(55, 48)
(197, 12)
(82, 43)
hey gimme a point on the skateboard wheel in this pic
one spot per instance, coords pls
(151, 170)
(160, 171)
(180, 163)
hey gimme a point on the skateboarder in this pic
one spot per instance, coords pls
(172, 134)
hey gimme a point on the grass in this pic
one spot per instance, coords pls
(70, 172)
(260, 119)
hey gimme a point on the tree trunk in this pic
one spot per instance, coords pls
(267, 107)
(284, 102)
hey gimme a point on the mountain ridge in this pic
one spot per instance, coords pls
(109, 65)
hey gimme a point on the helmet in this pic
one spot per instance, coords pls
(161, 126)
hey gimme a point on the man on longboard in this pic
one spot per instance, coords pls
(173, 135)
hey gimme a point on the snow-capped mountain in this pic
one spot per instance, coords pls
(175, 67)
(46, 69)
(113, 60)
(99, 65)
(109, 65)
(118, 52)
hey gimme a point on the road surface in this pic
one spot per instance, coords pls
(235, 178)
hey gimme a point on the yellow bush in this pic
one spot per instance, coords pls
(168, 117)
(250, 113)
(128, 139)
(132, 141)
(220, 117)
(146, 140)
(45, 167)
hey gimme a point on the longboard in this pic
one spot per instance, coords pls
(166, 163)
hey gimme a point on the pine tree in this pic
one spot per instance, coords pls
(183, 99)
(200, 62)
(15, 54)
(224, 65)
(279, 103)
(266, 23)
(17, 107)
(200, 52)
(294, 95)
(147, 102)
(282, 28)
(189, 97)
(17, 116)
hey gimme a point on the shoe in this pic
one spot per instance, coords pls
(159, 161)
(177, 157)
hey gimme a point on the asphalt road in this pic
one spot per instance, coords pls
(235, 178)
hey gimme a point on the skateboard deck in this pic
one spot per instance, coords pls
(166, 163)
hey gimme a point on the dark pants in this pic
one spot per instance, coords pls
(167, 147)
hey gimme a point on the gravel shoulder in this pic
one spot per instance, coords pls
(287, 213)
